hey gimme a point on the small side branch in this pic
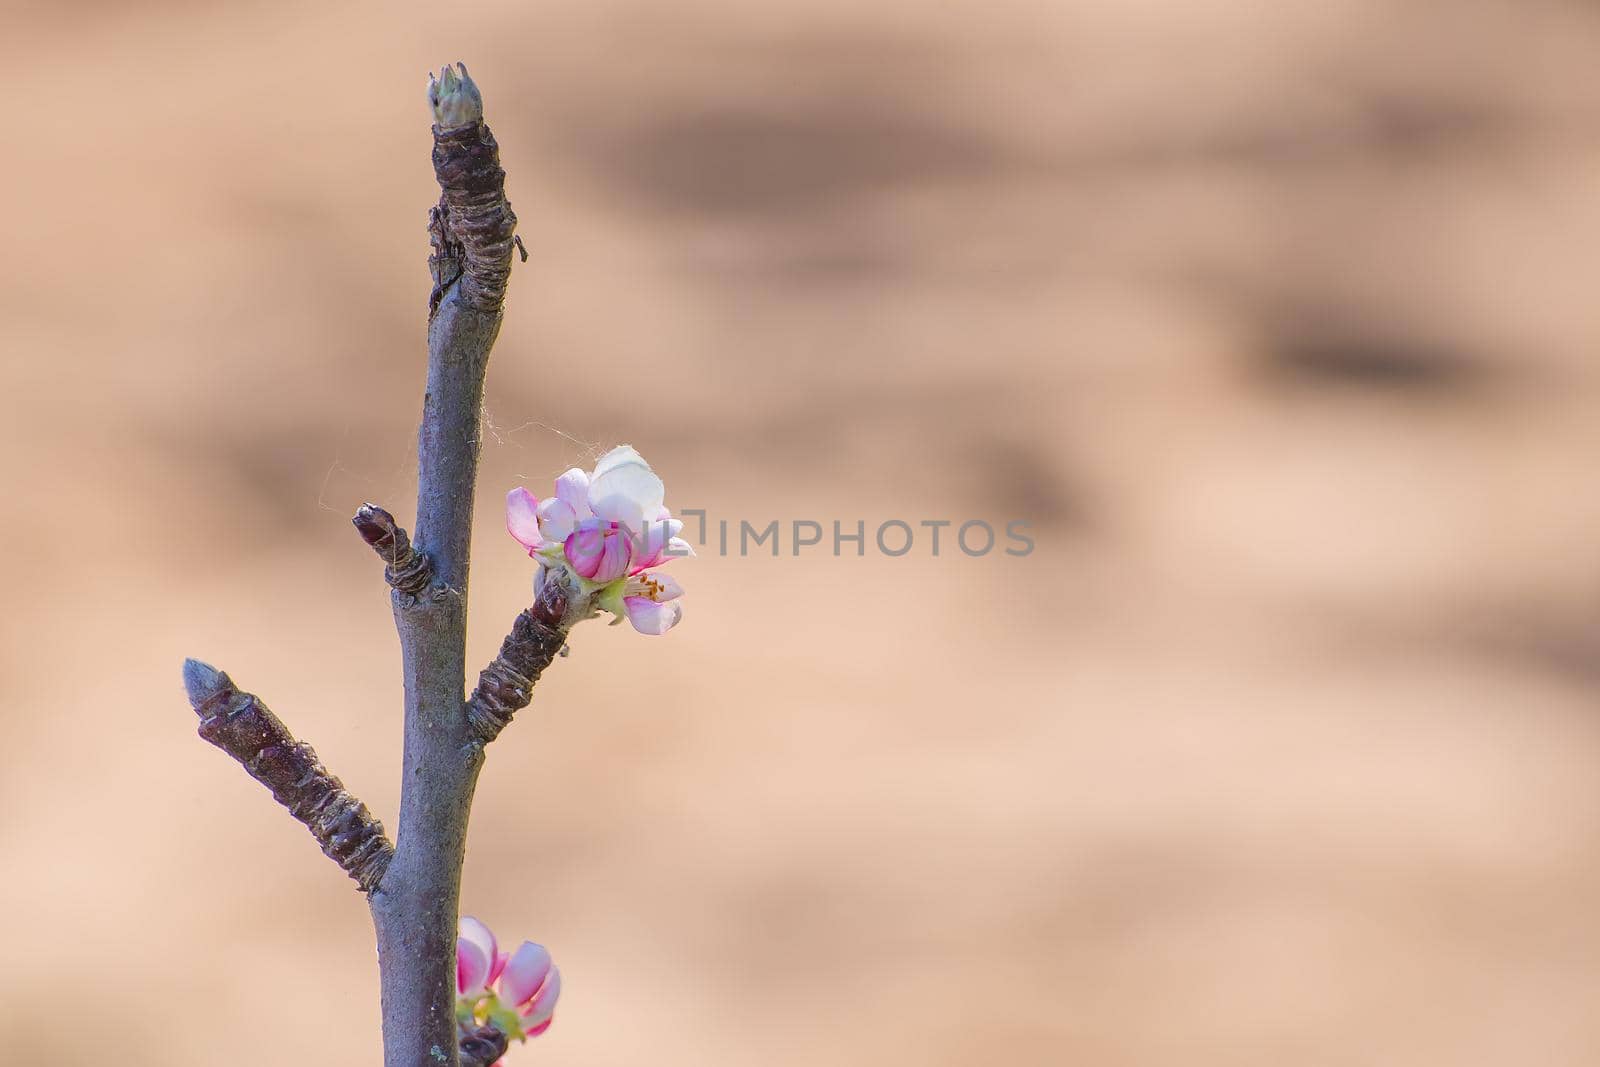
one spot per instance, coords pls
(244, 728)
(505, 686)
(406, 569)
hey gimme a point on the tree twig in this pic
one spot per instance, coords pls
(409, 571)
(246, 729)
(505, 686)
(415, 909)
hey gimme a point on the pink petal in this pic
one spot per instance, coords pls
(650, 617)
(477, 931)
(556, 519)
(536, 1014)
(472, 967)
(657, 534)
(525, 973)
(598, 553)
(522, 518)
(614, 564)
(499, 967)
(535, 1031)
(584, 547)
(573, 489)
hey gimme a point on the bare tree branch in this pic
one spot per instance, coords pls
(243, 727)
(414, 886)
(505, 686)
(415, 909)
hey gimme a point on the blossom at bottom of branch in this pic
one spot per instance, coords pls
(515, 992)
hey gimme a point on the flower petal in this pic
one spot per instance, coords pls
(614, 559)
(650, 617)
(664, 587)
(573, 488)
(536, 1015)
(477, 931)
(500, 961)
(522, 518)
(472, 967)
(624, 490)
(556, 519)
(525, 973)
(648, 548)
(615, 458)
(584, 546)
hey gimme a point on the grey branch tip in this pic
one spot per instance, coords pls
(203, 681)
(454, 98)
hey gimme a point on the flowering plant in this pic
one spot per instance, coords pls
(515, 992)
(600, 535)
(597, 541)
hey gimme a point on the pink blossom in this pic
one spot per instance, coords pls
(476, 955)
(606, 530)
(488, 980)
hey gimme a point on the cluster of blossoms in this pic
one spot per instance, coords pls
(600, 534)
(515, 992)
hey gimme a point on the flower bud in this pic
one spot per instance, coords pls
(454, 98)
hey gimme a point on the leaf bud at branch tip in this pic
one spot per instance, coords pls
(454, 98)
(204, 682)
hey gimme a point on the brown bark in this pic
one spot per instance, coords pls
(246, 729)
(505, 686)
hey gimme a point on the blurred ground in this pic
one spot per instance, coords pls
(1277, 320)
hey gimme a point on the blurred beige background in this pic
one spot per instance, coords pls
(1277, 320)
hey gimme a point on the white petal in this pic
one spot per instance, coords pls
(619, 455)
(573, 487)
(556, 518)
(662, 587)
(625, 490)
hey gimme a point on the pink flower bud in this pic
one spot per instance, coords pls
(476, 956)
(525, 974)
(598, 551)
(537, 1012)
